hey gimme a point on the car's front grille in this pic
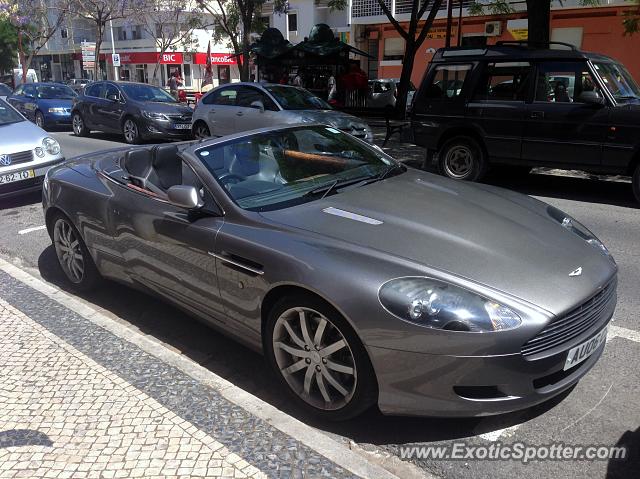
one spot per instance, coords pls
(574, 323)
(183, 118)
(20, 157)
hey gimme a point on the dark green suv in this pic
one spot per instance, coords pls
(520, 107)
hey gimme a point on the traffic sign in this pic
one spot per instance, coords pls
(115, 58)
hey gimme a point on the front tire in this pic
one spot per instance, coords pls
(131, 132)
(636, 183)
(79, 126)
(73, 256)
(462, 158)
(318, 358)
(201, 131)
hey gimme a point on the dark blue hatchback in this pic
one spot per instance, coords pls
(46, 104)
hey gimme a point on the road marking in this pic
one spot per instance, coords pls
(620, 332)
(504, 433)
(29, 230)
(316, 440)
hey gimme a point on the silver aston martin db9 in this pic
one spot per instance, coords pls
(361, 280)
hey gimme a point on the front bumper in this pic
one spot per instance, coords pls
(59, 119)
(30, 184)
(162, 129)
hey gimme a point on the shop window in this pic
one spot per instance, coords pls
(188, 80)
(224, 74)
(393, 48)
(64, 33)
(142, 75)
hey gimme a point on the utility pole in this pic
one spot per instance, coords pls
(449, 21)
(113, 50)
(460, 25)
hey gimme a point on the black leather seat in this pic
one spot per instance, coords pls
(138, 164)
(166, 167)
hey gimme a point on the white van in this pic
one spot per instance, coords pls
(32, 77)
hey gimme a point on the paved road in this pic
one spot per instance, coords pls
(602, 409)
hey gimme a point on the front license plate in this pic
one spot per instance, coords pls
(16, 176)
(182, 126)
(583, 351)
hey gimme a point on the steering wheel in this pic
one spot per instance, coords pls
(228, 179)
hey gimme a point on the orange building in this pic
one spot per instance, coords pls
(597, 29)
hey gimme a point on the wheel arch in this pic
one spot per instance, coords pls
(463, 131)
(634, 163)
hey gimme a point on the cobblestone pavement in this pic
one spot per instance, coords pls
(77, 401)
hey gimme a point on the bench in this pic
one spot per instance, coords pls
(382, 118)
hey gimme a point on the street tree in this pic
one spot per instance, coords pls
(8, 45)
(35, 22)
(171, 23)
(235, 20)
(414, 36)
(100, 12)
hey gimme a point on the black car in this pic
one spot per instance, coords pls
(137, 110)
(516, 106)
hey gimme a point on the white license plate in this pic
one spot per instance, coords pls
(182, 126)
(583, 351)
(16, 176)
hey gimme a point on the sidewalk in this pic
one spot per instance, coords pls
(81, 397)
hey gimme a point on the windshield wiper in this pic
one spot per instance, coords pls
(330, 186)
(389, 170)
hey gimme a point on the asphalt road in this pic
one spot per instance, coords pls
(603, 409)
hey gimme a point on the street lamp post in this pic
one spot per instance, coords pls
(113, 51)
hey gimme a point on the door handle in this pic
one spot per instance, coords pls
(537, 114)
(236, 262)
(239, 113)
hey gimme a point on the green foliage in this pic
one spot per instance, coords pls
(8, 46)
(631, 19)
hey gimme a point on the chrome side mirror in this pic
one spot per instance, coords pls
(185, 196)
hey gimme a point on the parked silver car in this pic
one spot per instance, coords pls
(26, 152)
(361, 280)
(383, 93)
(246, 106)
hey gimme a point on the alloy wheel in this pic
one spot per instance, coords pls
(130, 131)
(39, 120)
(315, 358)
(458, 162)
(68, 250)
(201, 131)
(78, 124)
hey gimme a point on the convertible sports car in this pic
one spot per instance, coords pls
(361, 280)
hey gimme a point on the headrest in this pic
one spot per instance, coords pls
(137, 162)
(167, 166)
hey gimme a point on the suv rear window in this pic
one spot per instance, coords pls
(508, 81)
(448, 81)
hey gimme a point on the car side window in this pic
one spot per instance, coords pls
(222, 97)
(564, 82)
(506, 81)
(110, 90)
(247, 95)
(448, 81)
(30, 90)
(93, 90)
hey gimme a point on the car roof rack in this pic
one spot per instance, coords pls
(531, 44)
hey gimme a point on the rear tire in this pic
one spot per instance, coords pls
(79, 126)
(336, 385)
(636, 183)
(73, 256)
(462, 158)
(40, 120)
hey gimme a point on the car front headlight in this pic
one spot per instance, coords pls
(51, 146)
(57, 110)
(152, 115)
(437, 304)
(578, 229)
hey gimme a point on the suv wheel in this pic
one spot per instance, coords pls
(462, 158)
(636, 183)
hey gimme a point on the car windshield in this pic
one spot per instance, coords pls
(292, 98)
(8, 115)
(618, 80)
(139, 92)
(287, 167)
(55, 92)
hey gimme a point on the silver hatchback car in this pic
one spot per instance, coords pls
(242, 107)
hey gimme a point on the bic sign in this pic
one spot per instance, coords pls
(171, 58)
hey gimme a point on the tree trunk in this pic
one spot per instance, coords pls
(243, 61)
(21, 55)
(99, 33)
(405, 78)
(539, 15)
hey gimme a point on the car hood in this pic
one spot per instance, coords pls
(20, 136)
(494, 237)
(45, 103)
(170, 108)
(334, 118)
